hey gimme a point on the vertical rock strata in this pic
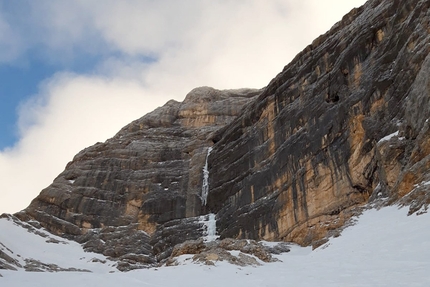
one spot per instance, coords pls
(312, 145)
(148, 174)
(347, 121)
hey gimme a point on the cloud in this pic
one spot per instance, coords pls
(71, 112)
(152, 51)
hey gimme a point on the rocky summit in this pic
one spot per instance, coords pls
(345, 124)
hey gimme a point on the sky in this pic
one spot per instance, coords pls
(72, 73)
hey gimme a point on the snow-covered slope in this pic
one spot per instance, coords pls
(27, 248)
(383, 248)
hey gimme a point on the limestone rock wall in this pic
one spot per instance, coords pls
(146, 175)
(345, 123)
(312, 146)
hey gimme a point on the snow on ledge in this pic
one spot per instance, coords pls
(390, 136)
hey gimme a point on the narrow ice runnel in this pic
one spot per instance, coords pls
(205, 184)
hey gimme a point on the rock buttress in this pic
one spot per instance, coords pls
(311, 147)
(148, 174)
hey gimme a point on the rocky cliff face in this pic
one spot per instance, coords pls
(312, 145)
(149, 174)
(345, 123)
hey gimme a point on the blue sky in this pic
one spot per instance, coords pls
(16, 84)
(21, 80)
(74, 72)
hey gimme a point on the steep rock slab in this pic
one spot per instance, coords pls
(148, 174)
(299, 159)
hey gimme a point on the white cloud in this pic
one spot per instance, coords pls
(71, 112)
(222, 43)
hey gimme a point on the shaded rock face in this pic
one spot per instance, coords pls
(312, 146)
(148, 174)
(345, 123)
(175, 232)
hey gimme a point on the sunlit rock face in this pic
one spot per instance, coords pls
(345, 123)
(312, 146)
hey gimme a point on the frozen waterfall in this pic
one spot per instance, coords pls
(205, 184)
(209, 221)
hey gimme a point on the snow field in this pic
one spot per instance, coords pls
(385, 248)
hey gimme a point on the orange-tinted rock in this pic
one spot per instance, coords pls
(311, 146)
(345, 123)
